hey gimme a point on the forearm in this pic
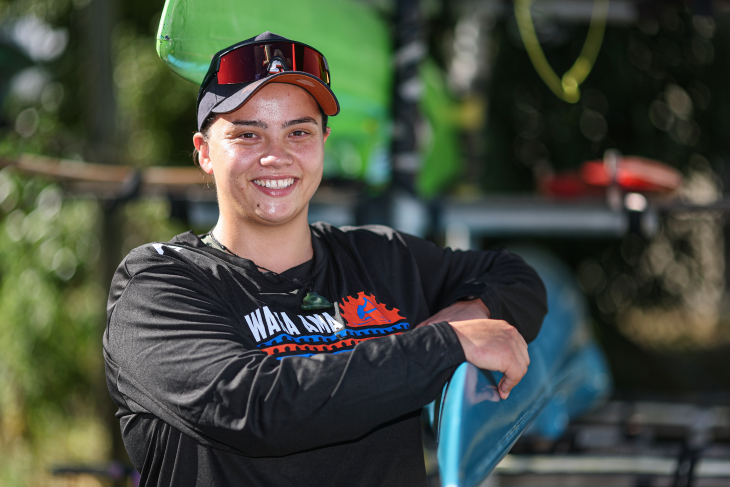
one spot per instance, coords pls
(260, 406)
(302, 403)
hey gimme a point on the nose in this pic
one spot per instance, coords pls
(276, 157)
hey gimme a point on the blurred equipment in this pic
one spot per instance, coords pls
(615, 172)
(631, 442)
(633, 174)
(567, 87)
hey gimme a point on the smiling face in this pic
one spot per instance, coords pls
(266, 157)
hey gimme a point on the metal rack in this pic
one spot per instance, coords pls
(631, 443)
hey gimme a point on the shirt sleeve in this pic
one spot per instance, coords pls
(511, 289)
(173, 349)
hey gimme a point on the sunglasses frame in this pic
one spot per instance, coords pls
(216, 62)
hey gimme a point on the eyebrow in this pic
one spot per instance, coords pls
(262, 125)
(300, 120)
(250, 123)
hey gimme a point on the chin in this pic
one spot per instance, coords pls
(275, 218)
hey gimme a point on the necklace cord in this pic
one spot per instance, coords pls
(567, 87)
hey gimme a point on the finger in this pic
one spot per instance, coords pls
(519, 369)
(522, 365)
(500, 389)
(520, 355)
(521, 348)
(524, 353)
(510, 379)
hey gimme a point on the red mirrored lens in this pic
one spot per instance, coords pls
(251, 63)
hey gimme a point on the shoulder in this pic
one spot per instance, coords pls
(376, 242)
(376, 236)
(183, 249)
(363, 234)
(184, 257)
(367, 240)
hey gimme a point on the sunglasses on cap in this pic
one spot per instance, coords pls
(252, 62)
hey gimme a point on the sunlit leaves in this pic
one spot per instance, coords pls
(150, 98)
(52, 308)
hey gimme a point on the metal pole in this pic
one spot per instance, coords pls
(405, 211)
(410, 49)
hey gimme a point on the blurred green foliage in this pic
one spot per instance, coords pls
(53, 400)
(52, 304)
(155, 112)
(52, 391)
(156, 108)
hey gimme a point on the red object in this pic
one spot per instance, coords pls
(633, 174)
(565, 185)
(253, 62)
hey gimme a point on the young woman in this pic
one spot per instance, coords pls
(272, 352)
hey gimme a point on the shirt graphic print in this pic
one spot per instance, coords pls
(356, 319)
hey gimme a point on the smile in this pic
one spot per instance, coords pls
(274, 183)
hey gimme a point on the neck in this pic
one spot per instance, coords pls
(276, 247)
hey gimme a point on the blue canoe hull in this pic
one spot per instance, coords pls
(568, 375)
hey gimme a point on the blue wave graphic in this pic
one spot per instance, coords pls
(310, 354)
(340, 335)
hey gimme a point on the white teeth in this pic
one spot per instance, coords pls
(274, 183)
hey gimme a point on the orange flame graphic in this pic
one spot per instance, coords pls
(365, 310)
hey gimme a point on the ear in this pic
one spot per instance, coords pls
(201, 145)
(327, 134)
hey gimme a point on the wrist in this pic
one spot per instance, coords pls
(477, 303)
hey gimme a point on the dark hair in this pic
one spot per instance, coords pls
(205, 130)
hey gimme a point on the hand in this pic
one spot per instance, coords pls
(494, 345)
(488, 344)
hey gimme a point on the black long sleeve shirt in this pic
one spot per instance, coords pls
(222, 379)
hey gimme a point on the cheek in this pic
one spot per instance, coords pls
(224, 153)
(313, 156)
(232, 159)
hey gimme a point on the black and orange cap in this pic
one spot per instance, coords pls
(217, 97)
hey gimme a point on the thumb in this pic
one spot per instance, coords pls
(506, 384)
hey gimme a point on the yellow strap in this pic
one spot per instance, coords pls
(567, 87)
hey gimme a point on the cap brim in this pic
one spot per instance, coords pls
(315, 86)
